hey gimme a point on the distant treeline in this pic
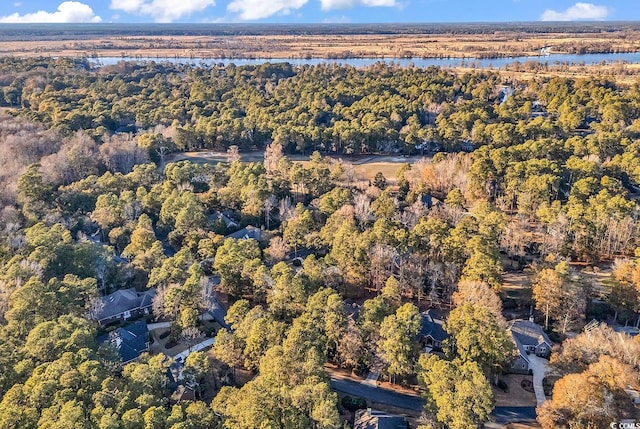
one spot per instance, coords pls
(74, 31)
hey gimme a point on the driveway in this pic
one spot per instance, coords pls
(372, 379)
(501, 415)
(539, 367)
(196, 348)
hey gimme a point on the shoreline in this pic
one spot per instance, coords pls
(468, 47)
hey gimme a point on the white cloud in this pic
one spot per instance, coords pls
(346, 4)
(258, 9)
(577, 12)
(162, 10)
(68, 11)
(17, 4)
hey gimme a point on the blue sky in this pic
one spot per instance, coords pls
(315, 10)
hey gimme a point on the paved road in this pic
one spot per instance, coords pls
(504, 415)
(383, 396)
(501, 415)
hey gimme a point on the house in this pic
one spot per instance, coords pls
(506, 92)
(430, 201)
(432, 333)
(584, 128)
(183, 393)
(352, 309)
(217, 311)
(538, 109)
(531, 336)
(372, 419)
(522, 364)
(467, 146)
(130, 341)
(123, 304)
(428, 146)
(175, 374)
(249, 232)
(224, 217)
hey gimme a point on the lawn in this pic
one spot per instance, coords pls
(516, 395)
(365, 167)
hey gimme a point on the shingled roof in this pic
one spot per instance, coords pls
(130, 340)
(432, 325)
(123, 300)
(246, 233)
(529, 333)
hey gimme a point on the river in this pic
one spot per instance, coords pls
(587, 59)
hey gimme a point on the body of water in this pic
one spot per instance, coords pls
(587, 59)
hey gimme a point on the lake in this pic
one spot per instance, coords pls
(587, 59)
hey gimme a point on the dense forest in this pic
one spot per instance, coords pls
(78, 31)
(539, 174)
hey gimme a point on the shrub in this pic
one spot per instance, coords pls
(352, 404)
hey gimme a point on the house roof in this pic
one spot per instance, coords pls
(372, 419)
(431, 325)
(217, 311)
(429, 200)
(466, 144)
(529, 333)
(130, 340)
(183, 393)
(352, 309)
(228, 221)
(520, 346)
(247, 232)
(174, 372)
(123, 300)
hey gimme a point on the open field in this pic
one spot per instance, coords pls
(326, 46)
(364, 167)
(466, 42)
(320, 41)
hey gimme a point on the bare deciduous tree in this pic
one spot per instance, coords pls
(272, 155)
(478, 293)
(77, 158)
(513, 237)
(191, 336)
(4, 299)
(412, 275)
(233, 154)
(443, 176)
(120, 153)
(285, 209)
(362, 207)
(412, 214)
(383, 264)
(277, 249)
(268, 205)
